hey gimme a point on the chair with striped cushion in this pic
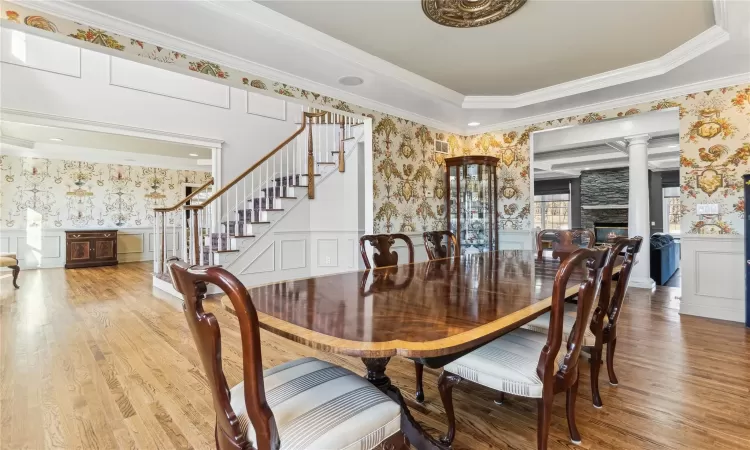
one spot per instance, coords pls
(532, 364)
(603, 327)
(304, 404)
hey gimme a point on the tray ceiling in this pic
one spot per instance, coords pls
(542, 44)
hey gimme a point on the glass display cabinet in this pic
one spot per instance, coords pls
(471, 182)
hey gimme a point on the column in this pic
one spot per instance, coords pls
(639, 223)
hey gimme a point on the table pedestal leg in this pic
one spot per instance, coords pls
(419, 438)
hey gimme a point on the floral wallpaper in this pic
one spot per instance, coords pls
(714, 137)
(47, 193)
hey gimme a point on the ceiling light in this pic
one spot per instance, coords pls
(473, 124)
(351, 81)
(193, 154)
(55, 139)
(587, 168)
(674, 146)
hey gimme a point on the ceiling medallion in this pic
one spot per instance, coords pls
(469, 13)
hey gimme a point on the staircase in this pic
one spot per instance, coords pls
(233, 217)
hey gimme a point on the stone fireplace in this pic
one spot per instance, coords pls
(604, 197)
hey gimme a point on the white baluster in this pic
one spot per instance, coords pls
(244, 201)
(174, 234)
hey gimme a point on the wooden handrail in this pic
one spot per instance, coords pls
(186, 199)
(239, 177)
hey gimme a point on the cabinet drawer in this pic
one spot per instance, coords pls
(92, 235)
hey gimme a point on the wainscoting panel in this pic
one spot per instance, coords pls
(515, 240)
(46, 248)
(35, 52)
(265, 261)
(142, 77)
(328, 252)
(293, 254)
(713, 277)
(265, 106)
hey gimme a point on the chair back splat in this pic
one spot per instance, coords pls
(383, 243)
(433, 244)
(609, 303)
(191, 283)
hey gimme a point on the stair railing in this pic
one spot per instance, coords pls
(243, 204)
(173, 215)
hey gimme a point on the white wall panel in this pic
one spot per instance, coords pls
(141, 77)
(328, 252)
(293, 254)
(262, 105)
(35, 52)
(713, 278)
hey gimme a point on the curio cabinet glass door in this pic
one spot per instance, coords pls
(472, 202)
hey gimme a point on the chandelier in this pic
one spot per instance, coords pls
(469, 13)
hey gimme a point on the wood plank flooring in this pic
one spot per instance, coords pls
(96, 359)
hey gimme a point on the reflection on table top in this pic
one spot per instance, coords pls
(420, 310)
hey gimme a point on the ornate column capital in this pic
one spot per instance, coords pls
(638, 139)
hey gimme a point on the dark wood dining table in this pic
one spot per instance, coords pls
(432, 311)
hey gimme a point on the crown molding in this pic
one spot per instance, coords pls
(17, 142)
(52, 120)
(79, 13)
(742, 78)
(693, 48)
(260, 16)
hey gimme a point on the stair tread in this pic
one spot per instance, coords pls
(257, 223)
(328, 163)
(244, 236)
(226, 251)
(306, 175)
(348, 139)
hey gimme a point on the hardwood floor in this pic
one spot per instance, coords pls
(94, 359)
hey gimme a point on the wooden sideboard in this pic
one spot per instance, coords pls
(90, 248)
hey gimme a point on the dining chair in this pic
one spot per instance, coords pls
(530, 364)
(302, 404)
(383, 258)
(383, 243)
(565, 242)
(603, 326)
(433, 244)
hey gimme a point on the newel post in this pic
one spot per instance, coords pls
(310, 163)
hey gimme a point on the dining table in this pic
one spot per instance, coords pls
(434, 312)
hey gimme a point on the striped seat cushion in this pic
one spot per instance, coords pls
(318, 405)
(8, 259)
(507, 364)
(541, 325)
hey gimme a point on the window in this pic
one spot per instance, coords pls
(672, 210)
(552, 211)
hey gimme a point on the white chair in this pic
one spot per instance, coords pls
(532, 364)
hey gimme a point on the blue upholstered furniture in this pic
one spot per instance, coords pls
(665, 257)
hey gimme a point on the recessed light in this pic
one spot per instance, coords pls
(351, 81)
(193, 154)
(55, 139)
(673, 146)
(587, 168)
(473, 124)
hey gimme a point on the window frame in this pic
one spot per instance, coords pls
(543, 200)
